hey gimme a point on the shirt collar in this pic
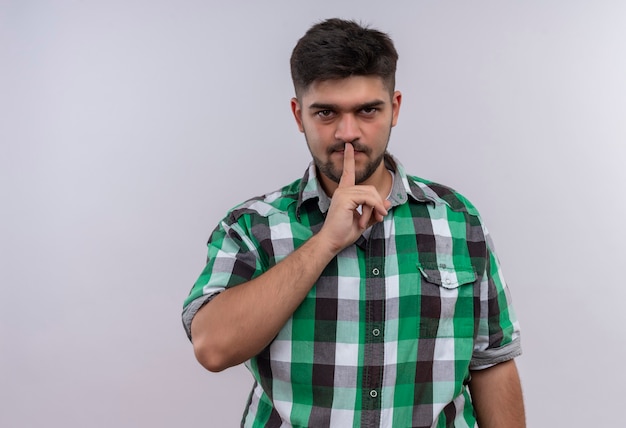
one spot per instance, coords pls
(403, 188)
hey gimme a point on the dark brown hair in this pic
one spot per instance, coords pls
(336, 49)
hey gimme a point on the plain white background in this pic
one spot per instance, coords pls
(128, 128)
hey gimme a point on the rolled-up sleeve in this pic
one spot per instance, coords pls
(498, 337)
(232, 260)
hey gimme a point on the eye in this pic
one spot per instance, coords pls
(369, 111)
(325, 114)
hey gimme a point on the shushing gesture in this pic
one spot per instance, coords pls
(344, 224)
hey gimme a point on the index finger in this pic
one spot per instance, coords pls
(347, 177)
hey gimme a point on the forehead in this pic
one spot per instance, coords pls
(349, 91)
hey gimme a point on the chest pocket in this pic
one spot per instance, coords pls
(447, 295)
(446, 277)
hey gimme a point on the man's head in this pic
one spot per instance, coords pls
(337, 49)
(344, 77)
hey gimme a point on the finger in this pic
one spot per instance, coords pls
(379, 216)
(366, 197)
(373, 218)
(347, 177)
(366, 218)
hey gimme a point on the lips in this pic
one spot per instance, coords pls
(356, 152)
(358, 149)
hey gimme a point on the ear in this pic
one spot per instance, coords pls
(297, 113)
(396, 100)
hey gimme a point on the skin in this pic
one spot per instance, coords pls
(497, 396)
(243, 320)
(358, 110)
(346, 123)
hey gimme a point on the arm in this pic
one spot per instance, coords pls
(497, 396)
(241, 321)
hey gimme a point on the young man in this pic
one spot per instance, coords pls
(358, 295)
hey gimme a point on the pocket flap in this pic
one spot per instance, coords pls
(447, 277)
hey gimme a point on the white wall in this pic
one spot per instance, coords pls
(128, 128)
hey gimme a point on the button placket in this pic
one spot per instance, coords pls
(373, 357)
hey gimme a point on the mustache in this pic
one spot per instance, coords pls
(340, 145)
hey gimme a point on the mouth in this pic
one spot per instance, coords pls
(357, 153)
(358, 150)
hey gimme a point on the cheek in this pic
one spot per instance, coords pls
(316, 133)
(382, 130)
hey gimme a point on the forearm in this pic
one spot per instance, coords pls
(497, 396)
(239, 322)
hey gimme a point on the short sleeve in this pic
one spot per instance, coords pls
(498, 337)
(233, 258)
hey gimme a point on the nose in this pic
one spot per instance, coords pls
(347, 128)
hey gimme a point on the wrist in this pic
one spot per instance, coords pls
(323, 248)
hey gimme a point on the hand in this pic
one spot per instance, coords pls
(344, 224)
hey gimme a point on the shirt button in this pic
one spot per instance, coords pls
(447, 281)
(376, 332)
(375, 271)
(373, 393)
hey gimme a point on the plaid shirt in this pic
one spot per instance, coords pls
(388, 334)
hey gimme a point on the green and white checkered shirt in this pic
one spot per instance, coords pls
(388, 334)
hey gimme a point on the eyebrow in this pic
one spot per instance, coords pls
(335, 107)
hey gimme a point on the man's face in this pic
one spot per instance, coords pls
(357, 110)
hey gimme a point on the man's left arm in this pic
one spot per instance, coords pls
(497, 396)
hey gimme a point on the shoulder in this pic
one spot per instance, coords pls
(442, 194)
(280, 201)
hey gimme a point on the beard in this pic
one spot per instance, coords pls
(328, 168)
